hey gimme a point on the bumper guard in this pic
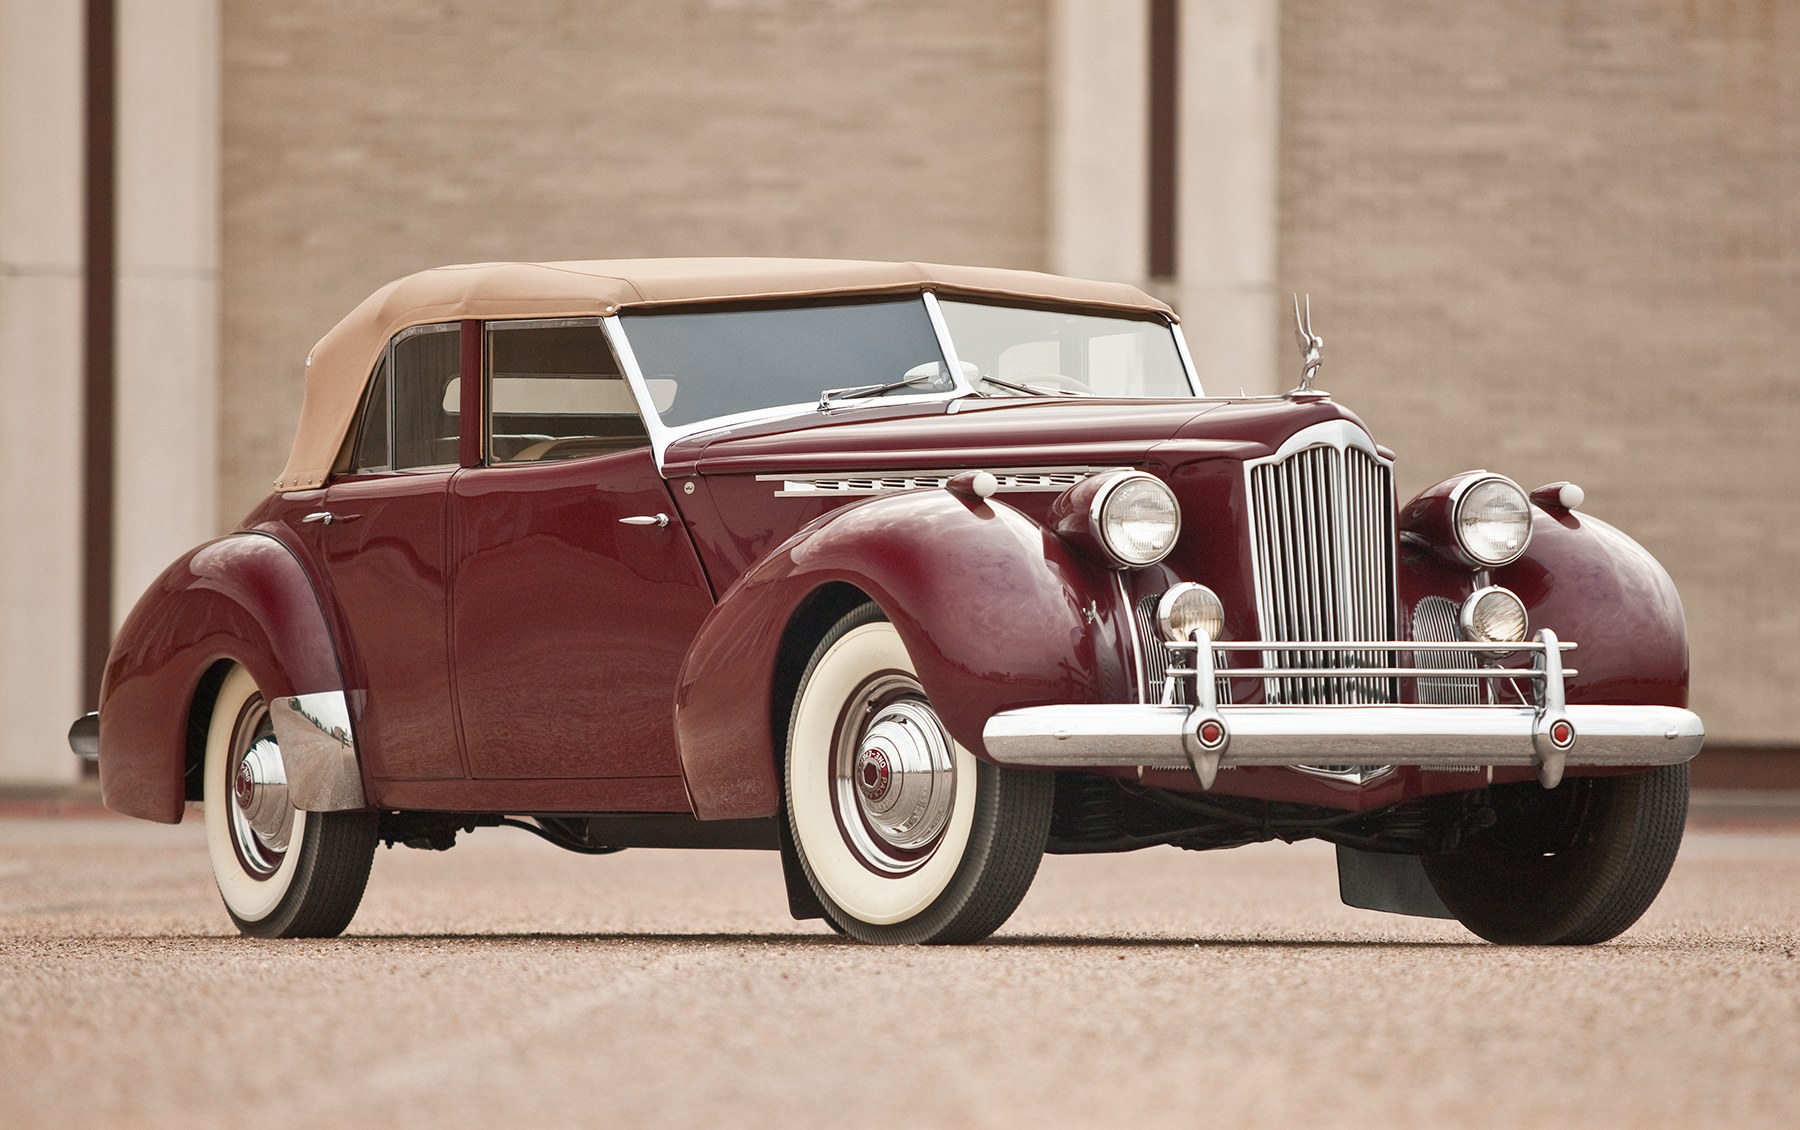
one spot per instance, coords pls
(1545, 733)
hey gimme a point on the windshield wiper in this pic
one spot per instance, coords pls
(861, 392)
(1026, 389)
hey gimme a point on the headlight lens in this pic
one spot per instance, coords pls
(1493, 521)
(1188, 606)
(1494, 615)
(1137, 519)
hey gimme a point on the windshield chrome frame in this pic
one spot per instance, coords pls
(1181, 350)
(663, 435)
(1187, 361)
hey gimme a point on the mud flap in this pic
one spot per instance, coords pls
(802, 903)
(1395, 884)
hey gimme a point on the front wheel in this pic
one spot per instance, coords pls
(903, 835)
(283, 873)
(1574, 865)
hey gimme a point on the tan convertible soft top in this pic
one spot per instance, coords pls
(339, 366)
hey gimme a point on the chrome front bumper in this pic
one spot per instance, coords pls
(1546, 734)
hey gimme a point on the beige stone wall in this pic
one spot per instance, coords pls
(1562, 239)
(40, 389)
(364, 141)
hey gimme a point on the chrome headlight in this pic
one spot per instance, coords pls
(1135, 519)
(1494, 615)
(1186, 607)
(1491, 518)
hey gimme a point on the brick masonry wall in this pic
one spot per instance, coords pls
(1562, 240)
(365, 141)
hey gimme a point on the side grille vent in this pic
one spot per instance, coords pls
(1156, 658)
(1434, 621)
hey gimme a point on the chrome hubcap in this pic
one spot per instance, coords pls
(262, 818)
(895, 776)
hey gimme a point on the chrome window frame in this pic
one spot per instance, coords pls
(638, 389)
(388, 354)
(384, 373)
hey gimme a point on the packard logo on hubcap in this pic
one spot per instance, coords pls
(872, 774)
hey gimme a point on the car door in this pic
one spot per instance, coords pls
(577, 589)
(382, 539)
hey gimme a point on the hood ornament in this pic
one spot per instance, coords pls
(1311, 345)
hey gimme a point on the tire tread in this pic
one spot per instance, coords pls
(1636, 824)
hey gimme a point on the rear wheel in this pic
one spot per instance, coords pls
(903, 835)
(283, 873)
(1574, 865)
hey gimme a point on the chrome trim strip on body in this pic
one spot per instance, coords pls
(318, 751)
(1450, 737)
(1016, 480)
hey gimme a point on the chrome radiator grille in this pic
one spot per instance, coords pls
(1322, 523)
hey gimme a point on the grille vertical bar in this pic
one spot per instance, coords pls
(1323, 524)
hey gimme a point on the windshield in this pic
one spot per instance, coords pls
(720, 363)
(1047, 352)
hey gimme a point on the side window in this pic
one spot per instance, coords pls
(425, 362)
(372, 434)
(555, 392)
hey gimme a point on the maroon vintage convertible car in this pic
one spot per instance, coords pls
(909, 573)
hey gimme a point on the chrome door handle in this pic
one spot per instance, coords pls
(645, 520)
(327, 517)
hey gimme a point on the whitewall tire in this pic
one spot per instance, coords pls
(902, 833)
(282, 873)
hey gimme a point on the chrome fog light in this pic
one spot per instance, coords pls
(1492, 520)
(1187, 607)
(1494, 615)
(1136, 519)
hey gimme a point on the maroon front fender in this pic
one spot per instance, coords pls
(992, 608)
(243, 598)
(1590, 583)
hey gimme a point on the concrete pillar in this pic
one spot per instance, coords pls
(166, 461)
(41, 53)
(1099, 137)
(1229, 152)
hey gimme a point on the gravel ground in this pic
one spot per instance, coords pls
(507, 983)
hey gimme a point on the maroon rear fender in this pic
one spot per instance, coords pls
(994, 610)
(242, 598)
(1590, 583)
